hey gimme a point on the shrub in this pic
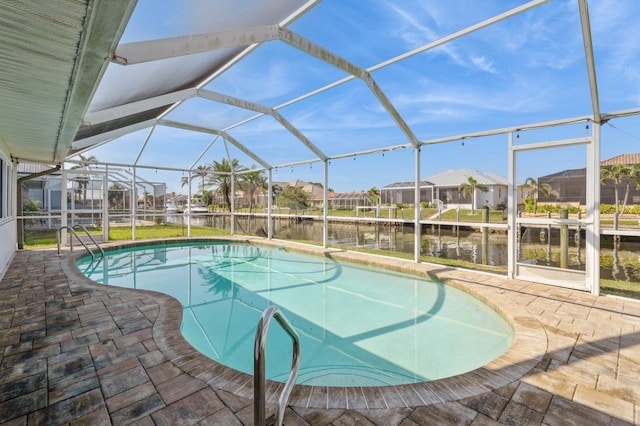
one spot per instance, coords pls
(528, 205)
(30, 206)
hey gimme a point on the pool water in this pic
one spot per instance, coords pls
(358, 326)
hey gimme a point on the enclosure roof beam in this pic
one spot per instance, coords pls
(101, 138)
(591, 63)
(186, 126)
(461, 33)
(153, 50)
(131, 108)
(505, 130)
(246, 150)
(309, 47)
(241, 103)
(144, 145)
(204, 151)
(202, 129)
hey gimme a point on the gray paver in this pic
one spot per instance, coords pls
(85, 354)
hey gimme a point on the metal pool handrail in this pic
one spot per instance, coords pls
(72, 230)
(259, 368)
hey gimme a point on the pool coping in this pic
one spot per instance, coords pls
(527, 350)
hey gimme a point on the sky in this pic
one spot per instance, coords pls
(527, 69)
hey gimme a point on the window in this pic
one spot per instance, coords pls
(5, 188)
(3, 191)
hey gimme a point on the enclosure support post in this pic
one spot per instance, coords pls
(63, 204)
(485, 236)
(105, 204)
(417, 234)
(189, 204)
(592, 229)
(232, 207)
(270, 205)
(325, 209)
(512, 200)
(134, 205)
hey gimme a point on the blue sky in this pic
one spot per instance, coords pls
(527, 69)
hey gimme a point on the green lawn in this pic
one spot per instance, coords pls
(47, 238)
(620, 288)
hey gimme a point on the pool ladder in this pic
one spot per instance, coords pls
(259, 368)
(74, 233)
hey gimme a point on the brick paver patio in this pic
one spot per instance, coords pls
(73, 352)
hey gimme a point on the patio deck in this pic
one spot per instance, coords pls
(72, 352)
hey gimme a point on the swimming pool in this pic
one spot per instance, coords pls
(358, 326)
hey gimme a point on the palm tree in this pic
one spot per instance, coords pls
(532, 186)
(220, 177)
(469, 189)
(83, 180)
(252, 182)
(374, 196)
(200, 171)
(619, 173)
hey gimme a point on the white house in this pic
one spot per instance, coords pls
(444, 188)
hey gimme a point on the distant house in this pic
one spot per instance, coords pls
(342, 200)
(403, 192)
(444, 188)
(313, 190)
(569, 186)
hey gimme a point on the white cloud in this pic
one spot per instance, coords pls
(483, 64)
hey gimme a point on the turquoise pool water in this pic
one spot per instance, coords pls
(359, 326)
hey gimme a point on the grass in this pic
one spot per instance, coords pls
(495, 216)
(40, 239)
(620, 288)
(47, 238)
(402, 255)
(122, 233)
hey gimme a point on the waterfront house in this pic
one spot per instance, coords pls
(444, 189)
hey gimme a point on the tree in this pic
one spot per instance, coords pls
(83, 180)
(207, 198)
(531, 185)
(374, 196)
(294, 198)
(619, 173)
(200, 171)
(469, 189)
(220, 178)
(276, 190)
(116, 196)
(184, 181)
(252, 183)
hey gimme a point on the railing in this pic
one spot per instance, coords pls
(259, 368)
(74, 233)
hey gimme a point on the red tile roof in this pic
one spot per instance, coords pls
(622, 159)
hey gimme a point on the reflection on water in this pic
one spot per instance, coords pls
(619, 259)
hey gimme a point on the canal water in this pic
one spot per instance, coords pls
(619, 260)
